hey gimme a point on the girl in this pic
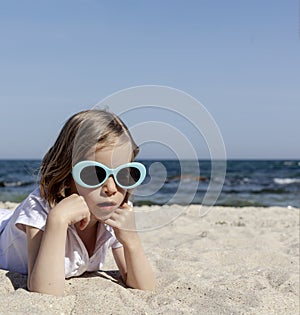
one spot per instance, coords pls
(81, 209)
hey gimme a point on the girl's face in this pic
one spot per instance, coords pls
(104, 200)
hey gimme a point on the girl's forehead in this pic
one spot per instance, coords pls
(112, 155)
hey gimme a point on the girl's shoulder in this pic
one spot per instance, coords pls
(34, 201)
(32, 211)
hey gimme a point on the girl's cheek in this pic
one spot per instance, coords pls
(84, 192)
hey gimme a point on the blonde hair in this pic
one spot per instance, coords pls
(80, 133)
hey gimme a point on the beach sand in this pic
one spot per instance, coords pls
(230, 261)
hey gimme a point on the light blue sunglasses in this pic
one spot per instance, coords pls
(91, 174)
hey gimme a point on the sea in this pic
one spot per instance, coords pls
(261, 183)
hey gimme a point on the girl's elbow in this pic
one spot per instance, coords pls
(149, 286)
(47, 291)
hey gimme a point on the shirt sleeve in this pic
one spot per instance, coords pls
(33, 212)
(116, 244)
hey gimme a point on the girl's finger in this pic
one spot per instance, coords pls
(110, 222)
(126, 206)
(84, 223)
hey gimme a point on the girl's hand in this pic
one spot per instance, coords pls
(123, 223)
(71, 210)
(131, 260)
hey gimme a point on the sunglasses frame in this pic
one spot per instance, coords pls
(78, 167)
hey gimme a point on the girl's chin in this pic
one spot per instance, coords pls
(103, 213)
(102, 216)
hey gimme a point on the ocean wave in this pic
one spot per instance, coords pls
(255, 191)
(291, 163)
(15, 184)
(286, 181)
(187, 178)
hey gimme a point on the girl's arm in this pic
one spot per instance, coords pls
(134, 266)
(131, 259)
(46, 250)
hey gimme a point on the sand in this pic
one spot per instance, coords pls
(230, 261)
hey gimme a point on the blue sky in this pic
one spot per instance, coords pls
(240, 59)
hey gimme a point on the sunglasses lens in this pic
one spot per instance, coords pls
(92, 175)
(128, 176)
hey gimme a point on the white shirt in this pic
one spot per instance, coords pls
(33, 211)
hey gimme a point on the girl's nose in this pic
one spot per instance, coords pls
(110, 186)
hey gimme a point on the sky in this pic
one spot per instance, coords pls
(239, 58)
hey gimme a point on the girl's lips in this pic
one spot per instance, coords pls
(106, 205)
